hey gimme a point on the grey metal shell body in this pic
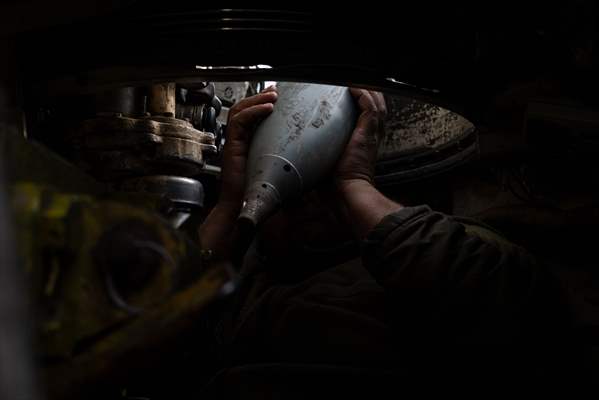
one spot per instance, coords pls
(297, 145)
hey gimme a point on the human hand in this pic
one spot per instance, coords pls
(244, 116)
(361, 204)
(357, 161)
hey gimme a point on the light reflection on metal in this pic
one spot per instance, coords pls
(225, 67)
(393, 80)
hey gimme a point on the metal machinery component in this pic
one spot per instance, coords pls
(143, 140)
(200, 105)
(184, 194)
(162, 99)
(108, 277)
(108, 281)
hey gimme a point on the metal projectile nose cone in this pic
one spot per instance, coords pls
(261, 201)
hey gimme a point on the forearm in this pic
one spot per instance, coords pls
(364, 206)
(216, 230)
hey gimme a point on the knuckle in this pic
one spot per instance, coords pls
(235, 121)
(371, 114)
(235, 108)
(232, 114)
(373, 108)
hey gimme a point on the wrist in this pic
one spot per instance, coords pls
(365, 206)
(216, 229)
(227, 208)
(347, 188)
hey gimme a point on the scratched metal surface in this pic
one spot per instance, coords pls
(296, 145)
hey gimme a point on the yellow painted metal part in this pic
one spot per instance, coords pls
(66, 243)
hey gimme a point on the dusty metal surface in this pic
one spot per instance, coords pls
(159, 126)
(422, 140)
(414, 126)
(115, 147)
(162, 99)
